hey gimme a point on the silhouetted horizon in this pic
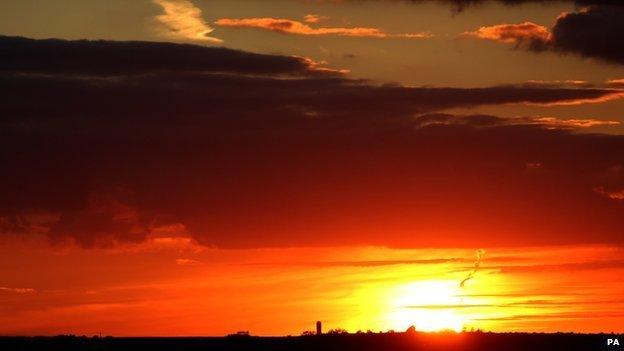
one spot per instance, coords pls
(408, 340)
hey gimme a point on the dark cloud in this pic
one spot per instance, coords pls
(104, 219)
(99, 155)
(592, 32)
(460, 5)
(105, 58)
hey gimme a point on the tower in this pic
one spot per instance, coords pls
(319, 328)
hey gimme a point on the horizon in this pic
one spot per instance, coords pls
(409, 340)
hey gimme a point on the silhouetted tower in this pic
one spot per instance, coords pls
(319, 328)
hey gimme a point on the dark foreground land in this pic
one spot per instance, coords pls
(360, 342)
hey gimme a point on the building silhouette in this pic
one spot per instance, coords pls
(319, 328)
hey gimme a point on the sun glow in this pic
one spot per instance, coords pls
(429, 306)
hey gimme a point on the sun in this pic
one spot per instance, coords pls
(430, 305)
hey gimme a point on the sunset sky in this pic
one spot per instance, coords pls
(199, 167)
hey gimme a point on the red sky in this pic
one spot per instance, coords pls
(163, 168)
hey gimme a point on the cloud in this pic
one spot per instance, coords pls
(187, 262)
(573, 266)
(237, 150)
(459, 6)
(103, 58)
(295, 27)
(558, 83)
(552, 316)
(523, 303)
(310, 18)
(28, 222)
(525, 35)
(592, 32)
(616, 83)
(614, 195)
(555, 122)
(490, 121)
(182, 20)
(105, 219)
(17, 290)
(377, 263)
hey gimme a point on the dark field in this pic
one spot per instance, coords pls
(389, 341)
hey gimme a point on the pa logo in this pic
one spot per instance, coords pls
(613, 342)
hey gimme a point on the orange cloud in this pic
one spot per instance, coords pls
(295, 27)
(182, 20)
(555, 122)
(613, 195)
(525, 35)
(576, 83)
(615, 82)
(614, 95)
(310, 18)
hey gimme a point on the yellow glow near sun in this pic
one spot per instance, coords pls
(427, 305)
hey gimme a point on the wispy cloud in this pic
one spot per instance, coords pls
(587, 265)
(573, 83)
(17, 290)
(490, 121)
(187, 262)
(288, 26)
(613, 94)
(613, 195)
(573, 123)
(524, 35)
(311, 18)
(182, 20)
(618, 83)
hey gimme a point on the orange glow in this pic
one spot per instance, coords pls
(138, 290)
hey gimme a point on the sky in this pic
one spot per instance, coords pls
(247, 165)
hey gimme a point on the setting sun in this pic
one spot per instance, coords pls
(427, 305)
